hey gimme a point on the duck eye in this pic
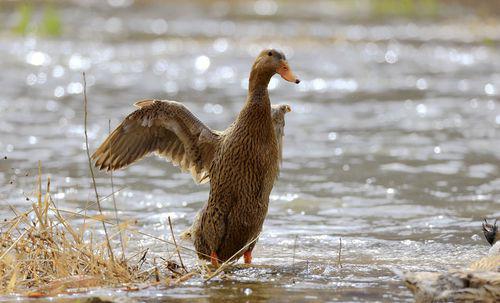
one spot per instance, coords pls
(270, 53)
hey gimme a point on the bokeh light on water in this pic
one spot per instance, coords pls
(392, 143)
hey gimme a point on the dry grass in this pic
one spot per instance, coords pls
(41, 253)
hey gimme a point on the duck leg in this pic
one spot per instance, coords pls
(247, 256)
(214, 259)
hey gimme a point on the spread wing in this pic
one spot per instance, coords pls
(278, 112)
(166, 128)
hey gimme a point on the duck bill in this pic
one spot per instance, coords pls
(286, 73)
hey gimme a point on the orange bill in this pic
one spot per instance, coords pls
(286, 73)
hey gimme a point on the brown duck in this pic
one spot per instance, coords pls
(241, 162)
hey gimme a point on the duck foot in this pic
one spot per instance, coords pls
(247, 256)
(214, 259)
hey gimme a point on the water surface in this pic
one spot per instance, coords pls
(392, 144)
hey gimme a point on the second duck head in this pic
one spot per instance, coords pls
(491, 232)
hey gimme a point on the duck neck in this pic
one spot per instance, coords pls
(257, 88)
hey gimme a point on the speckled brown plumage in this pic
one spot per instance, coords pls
(241, 162)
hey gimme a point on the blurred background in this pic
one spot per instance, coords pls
(393, 142)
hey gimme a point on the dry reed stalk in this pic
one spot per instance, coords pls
(176, 246)
(114, 200)
(185, 277)
(13, 226)
(85, 102)
(340, 252)
(13, 244)
(18, 217)
(39, 183)
(294, 247)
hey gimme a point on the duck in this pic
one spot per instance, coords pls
(278, 112)
(479, 282)
(241, 163)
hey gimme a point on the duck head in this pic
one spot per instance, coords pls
(278, 112)
(491, 232)
(268, 63)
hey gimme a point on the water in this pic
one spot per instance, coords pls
(392, 144)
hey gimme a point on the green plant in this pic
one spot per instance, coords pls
(51, 22)
(25, 12)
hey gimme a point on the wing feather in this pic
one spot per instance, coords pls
(166, 128)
